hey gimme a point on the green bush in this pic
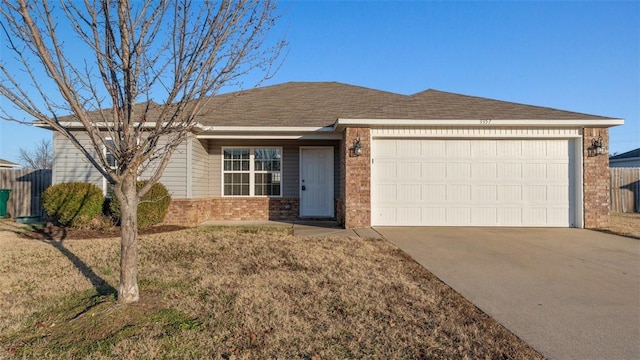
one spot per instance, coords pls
(152, 207)
(73, 204)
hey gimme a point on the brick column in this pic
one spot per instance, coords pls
(596, 180)
(357, 179)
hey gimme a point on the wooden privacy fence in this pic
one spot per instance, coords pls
(26, 187)
(625, 189)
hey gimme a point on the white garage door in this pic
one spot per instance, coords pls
(419, 182)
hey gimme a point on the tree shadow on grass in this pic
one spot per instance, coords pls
(101, 285)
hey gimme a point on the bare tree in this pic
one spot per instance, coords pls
(40, 157)
(137, 72)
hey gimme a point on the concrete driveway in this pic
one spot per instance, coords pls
(569, 293)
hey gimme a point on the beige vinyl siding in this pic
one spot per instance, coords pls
(174, 176)
(69, 164)
(290, 162)
(200, 160)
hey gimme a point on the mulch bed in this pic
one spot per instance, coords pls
(52, 231)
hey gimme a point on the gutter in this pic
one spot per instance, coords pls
(343, 123)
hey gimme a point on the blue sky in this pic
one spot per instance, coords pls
(578, 56)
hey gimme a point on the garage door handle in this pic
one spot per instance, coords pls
(304, 188)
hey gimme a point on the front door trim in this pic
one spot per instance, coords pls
(307, 208)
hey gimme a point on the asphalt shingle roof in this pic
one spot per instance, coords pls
(293, 104)
(318, 104)
(440, 105)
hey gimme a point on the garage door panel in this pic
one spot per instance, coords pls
(458, 149)
(510, 171)
(557, 193)
(557, 149)
(535, 171)
(534, 148)
(433, 170)
(558, 171)
(471, 182)
(408, 215)
(509, 216)
(457, 170)
(509, 148)
(410, 170)
(435, 215)
(434, 148)
(485, 193)
(434, 192)
(483, 216)
(534, 194)
(484, 171)
(456, 193)
(510, 194)
(409, 193)
(409, 149)
(481, 149)
(386, 193)
(458, 216)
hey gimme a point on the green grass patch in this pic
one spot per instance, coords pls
(89, 324)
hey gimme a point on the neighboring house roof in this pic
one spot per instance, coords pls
(627, 155)
(7, 164)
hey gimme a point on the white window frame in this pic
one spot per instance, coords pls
(105, 183)
(252, 171)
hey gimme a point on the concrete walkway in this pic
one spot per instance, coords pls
(569, 293)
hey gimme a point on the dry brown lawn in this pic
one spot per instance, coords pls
(236, 293)
(626, 224)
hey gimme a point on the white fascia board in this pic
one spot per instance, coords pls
(478, 122)
(268, 132)
(79, 125)
(307, 136)
(266, 129)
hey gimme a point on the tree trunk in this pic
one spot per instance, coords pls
(128, 288)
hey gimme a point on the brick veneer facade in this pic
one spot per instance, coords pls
(356, 185)
(353, 208)
(596, 180)
(191, 212)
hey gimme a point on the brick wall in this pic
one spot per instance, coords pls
(596, 180)
(191, 212)
(339, 207)
(357, 179)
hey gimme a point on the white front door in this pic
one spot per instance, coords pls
(316, 181)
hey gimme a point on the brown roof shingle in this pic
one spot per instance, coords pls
(318, 104)
(440, 105)
(293, 104)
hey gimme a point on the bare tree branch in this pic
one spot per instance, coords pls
(137, 73)
(40, 157)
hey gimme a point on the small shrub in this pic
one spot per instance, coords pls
(152, 207)
(73, 204)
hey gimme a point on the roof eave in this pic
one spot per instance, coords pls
(267, 132)
(343, 122)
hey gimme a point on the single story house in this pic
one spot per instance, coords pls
(367, 157)
(627, 159)
(6, 164)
